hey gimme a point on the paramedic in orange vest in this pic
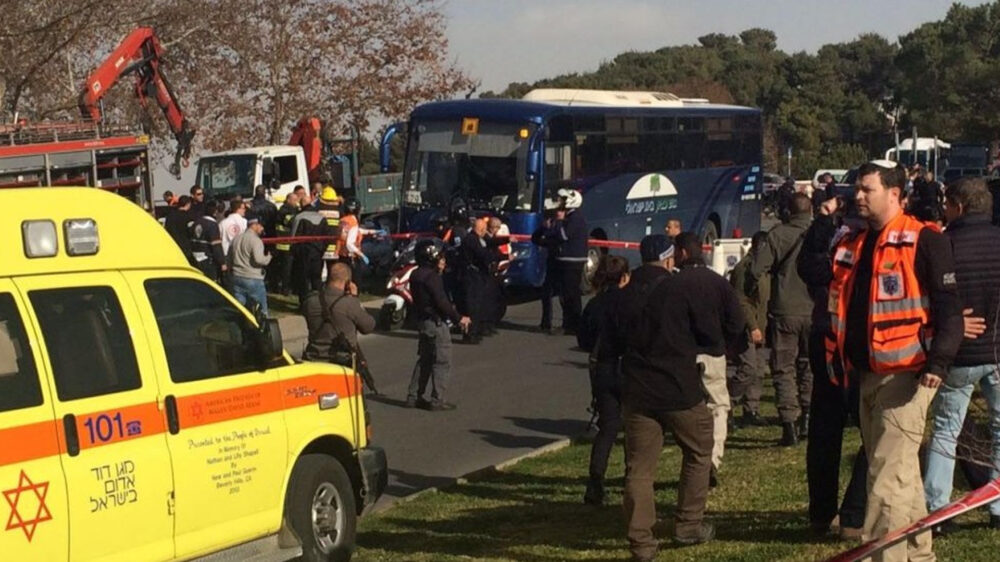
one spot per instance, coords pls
(896, 325)
(351, 235)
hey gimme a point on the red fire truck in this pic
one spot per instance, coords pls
(91, 152)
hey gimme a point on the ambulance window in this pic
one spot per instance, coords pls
(19, 387)
(204, 335)
(88, 341)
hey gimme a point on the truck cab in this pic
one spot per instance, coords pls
(237, 172)
(146, 415)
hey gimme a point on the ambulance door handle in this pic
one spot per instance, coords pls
(173, 420)
(72, 437)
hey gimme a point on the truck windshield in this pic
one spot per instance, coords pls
(225, 176)
(486, 167)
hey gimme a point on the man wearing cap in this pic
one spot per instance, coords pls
(656, 328)
(247, 261)
(896, 325)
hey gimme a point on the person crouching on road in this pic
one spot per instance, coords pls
(247, 261)
(720, 319)
(595, 337)
(434, 346)
(659, 325)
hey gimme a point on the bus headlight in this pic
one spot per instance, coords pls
(520, 252)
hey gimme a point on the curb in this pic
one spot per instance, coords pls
(481, 473)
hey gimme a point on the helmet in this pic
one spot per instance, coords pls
(328, 196)
(352, 206)
(571, 198)
(426, 252)
(459, 211)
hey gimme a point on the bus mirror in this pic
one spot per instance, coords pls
(385, 146)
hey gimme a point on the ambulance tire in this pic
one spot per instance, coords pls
(320, 490)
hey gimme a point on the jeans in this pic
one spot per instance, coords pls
(246, 289)
(949, 409)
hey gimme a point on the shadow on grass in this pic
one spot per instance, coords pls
(525, 518)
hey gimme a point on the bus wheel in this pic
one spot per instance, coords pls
(593, 258)
(321, 509)
(709, 234)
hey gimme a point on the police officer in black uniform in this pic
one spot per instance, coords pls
(433, 311)
(206, 242)
(478, 259)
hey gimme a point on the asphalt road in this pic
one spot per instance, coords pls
(515, 392)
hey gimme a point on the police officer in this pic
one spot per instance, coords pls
(745, 385)
(478, 260)
(433, 310)
(458, 229)
(262, 208)
(307, 257)
(206, 242)
(790, 308)
(546, 238)
(567, 233)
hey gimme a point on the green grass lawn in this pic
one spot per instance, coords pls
(533, 512)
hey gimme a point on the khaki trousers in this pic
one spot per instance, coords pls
(717, 397)
(692, 430)
(893, 413)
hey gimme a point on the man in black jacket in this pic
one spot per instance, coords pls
(564, 235)
(832, 404)
(664, 326)
(433, 309)
(967, 207)
(478, 259)
(178, 226)
(718, 309)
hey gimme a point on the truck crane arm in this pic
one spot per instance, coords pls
(140, 53)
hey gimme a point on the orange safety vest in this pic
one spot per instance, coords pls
(899, 312)
(347, 222)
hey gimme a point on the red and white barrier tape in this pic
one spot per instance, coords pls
(968, 502)
(615, 244)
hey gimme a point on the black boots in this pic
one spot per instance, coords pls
(752, 418)
(804, 424)
(595, 493)
(789, 435)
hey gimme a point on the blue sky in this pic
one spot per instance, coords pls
(503, 41)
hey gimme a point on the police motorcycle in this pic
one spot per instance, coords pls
(397, 304)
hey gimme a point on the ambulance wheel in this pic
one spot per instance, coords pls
(709, 234)
(321, 509)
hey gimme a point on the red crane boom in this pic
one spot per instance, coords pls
(140, 53)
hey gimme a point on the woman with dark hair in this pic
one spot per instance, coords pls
(605, 372)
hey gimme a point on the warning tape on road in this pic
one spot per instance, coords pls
(968, 502)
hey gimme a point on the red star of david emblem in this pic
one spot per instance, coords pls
(196, 411)
(13, 497)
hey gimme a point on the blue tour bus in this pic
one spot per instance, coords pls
(638, 158)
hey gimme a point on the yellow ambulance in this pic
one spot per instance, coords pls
(146, 415)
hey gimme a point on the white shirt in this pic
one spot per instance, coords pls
(229, 228)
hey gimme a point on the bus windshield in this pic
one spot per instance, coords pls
(226, 176)
(485, 165)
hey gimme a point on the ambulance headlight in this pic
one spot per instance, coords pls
(81, 237)
(39, 237)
